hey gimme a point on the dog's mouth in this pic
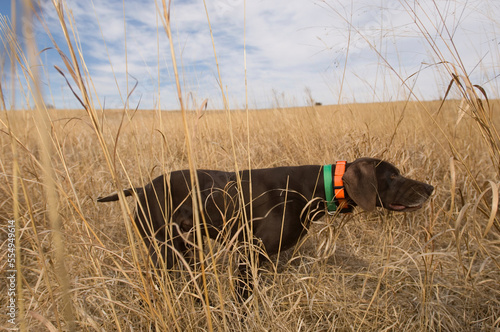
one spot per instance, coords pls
(405, 208)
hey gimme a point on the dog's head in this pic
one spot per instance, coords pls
(372, 182)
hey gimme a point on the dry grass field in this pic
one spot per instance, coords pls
(80, 265)
(434, 269)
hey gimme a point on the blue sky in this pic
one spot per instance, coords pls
(341, 51)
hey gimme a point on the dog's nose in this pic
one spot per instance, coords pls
(429, 189)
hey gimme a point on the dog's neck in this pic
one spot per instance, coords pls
(335, 193)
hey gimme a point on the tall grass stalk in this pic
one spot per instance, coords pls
(46, 146)
(196, 197)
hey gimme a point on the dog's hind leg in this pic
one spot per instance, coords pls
(248, 266)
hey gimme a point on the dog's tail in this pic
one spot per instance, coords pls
(115, 197)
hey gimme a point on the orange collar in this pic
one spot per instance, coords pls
(338, 186)
(334, 190)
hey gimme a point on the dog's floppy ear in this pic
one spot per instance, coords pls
(361, 183)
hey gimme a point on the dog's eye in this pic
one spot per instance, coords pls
(393, 176)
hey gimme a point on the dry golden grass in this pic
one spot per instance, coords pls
(80, 265)
(428, 270)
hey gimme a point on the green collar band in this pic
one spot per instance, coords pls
(327, 176)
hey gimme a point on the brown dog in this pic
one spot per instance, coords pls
(280, 201)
